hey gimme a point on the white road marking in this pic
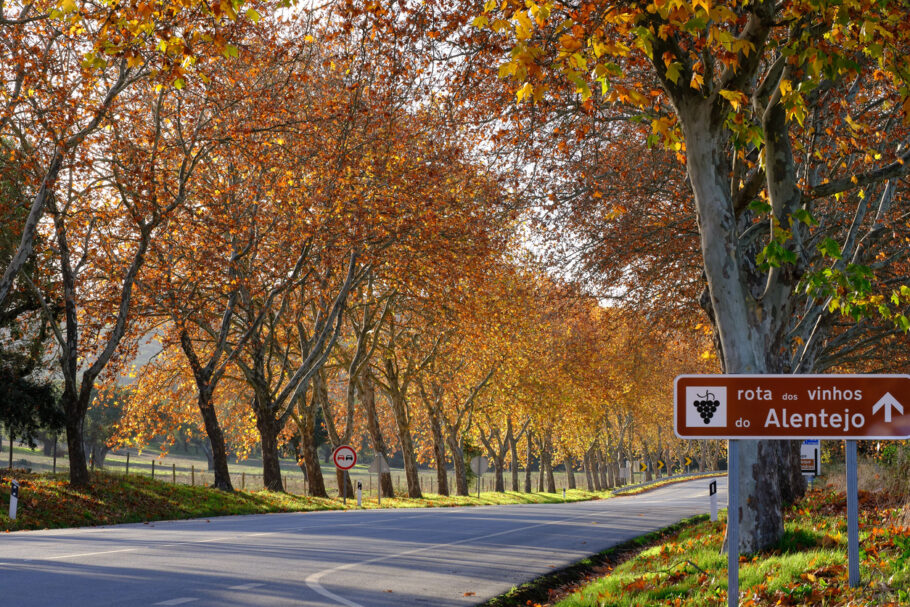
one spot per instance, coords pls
(245, 586)
(313, 580)
(72, 556)
(179, 601)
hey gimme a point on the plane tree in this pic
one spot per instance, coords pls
(756, 96)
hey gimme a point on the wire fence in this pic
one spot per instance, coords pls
(192, 469)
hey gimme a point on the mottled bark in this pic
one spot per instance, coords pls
(269, 428)
(307, 453)
(570, 473)
(366, 390)
(528, 452)
(513, 453)
(406, 441)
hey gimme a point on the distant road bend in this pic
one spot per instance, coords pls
(367, 558)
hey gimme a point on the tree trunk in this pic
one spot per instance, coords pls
(399, 410)
(541, 473)
(268, 440)
(79, 476)
(209, 459)
(513, 452)
(602, 467)
(47, 444)
(461, 473)
(529, 453)
(589, 478)
(344, 483)
(499, 465)
(218, 461)
(439, 451)
(551, 480)
(367, 393)
(793, 485)
(308, 455)
(570, 474)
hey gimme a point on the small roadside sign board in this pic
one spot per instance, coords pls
(810, 456)
(479, 465)
(688, 461)
(792, 406)
(344, 457)
(379, 466)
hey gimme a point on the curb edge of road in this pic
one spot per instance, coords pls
(666, 481)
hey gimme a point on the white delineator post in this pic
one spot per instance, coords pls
(712, 492)
(359, 493)
(13, 499)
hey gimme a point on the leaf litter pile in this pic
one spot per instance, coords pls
(808, 567)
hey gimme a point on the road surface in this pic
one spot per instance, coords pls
(367, 558)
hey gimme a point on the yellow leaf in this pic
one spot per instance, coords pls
(68, 6)
(524, 91)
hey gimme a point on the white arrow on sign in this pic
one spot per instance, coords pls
(888, 402)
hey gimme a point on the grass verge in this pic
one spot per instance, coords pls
(48, 502)
(807, 567)
(543, 589)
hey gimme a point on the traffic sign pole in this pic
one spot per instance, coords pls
(852, 515)
(733, 523)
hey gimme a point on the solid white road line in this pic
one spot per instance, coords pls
(179, 601)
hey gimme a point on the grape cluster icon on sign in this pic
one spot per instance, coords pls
(706, 405)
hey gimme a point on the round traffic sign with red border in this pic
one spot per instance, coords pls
(344, 457)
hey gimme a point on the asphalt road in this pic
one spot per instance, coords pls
(439, 557)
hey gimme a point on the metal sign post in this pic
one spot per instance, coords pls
(479, 465)
(13, 496)
(344, 458)
(852, 515)
(733, 523)
(379, 467)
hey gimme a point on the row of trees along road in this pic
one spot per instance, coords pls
(322, 214)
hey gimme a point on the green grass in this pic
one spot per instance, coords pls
(48, 501)
(807, 567)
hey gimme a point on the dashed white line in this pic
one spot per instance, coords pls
(313, 580)
(245, 586)
(72, 556)
(179, 601)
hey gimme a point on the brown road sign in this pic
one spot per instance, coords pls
(792, 406)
